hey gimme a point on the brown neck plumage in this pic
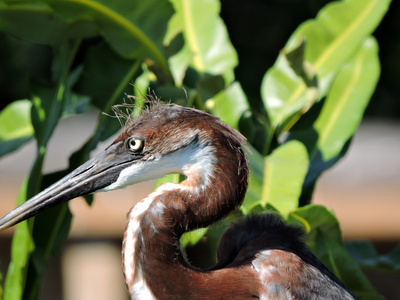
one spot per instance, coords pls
(200, 200)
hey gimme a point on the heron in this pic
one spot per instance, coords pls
(259, 257)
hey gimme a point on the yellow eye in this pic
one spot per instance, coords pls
(135, 144)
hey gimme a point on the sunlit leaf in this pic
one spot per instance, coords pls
(284, 92)
(327, 136)
(15, 126)
(229, 105)
(283, 176)
(331, 39)
(207, 47)
(284, 173)
(193, 237)
(347, 100)
(316, 216)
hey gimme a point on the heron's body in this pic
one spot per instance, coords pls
(259, 257)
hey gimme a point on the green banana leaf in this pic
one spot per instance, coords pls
(15, 126)
(206, 48)
(282, 174)
(133, 29)
(331, 39)
(329, 127)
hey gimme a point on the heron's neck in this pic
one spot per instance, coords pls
(151, 241)
(138, 233)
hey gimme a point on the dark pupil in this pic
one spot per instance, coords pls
(133, 143)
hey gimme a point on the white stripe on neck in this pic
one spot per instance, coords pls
(133, 273)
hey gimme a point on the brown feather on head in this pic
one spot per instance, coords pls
(177, 123)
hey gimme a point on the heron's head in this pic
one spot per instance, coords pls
(164, 139)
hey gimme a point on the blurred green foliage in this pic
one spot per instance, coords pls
(66, 57)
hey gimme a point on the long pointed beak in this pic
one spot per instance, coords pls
(94, 175)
